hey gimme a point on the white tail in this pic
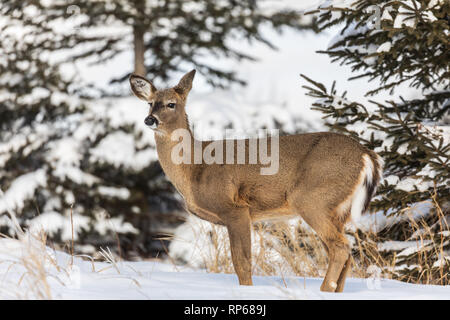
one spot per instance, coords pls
(358, 201)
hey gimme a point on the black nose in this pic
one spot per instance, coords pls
(150, 121)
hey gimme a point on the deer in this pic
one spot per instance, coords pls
(326, 178)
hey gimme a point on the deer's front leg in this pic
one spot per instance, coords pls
(239, 232)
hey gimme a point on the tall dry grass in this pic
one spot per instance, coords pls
(293, 249)
(426, 259)
(281, 248)
(31, 264)
(33, 269)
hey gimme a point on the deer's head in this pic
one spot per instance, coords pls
(167, 106)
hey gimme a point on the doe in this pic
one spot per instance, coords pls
(326, 178)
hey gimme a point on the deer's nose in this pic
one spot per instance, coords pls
(151, 121)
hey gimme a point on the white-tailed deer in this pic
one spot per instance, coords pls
(326, 178)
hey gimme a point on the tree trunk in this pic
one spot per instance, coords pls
(139, 51)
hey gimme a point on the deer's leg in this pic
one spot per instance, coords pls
(239, 232)
(337, 256)
(329, 230)
(343, 275)
(339, 260)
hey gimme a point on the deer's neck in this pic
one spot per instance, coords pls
(178, 173)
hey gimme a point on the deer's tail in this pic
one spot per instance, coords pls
(369, 178)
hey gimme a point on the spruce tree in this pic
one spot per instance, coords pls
(395, 43)
(54, 147)
(64, 154)
(169, 36)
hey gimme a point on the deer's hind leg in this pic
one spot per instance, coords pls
(331, 231)
(344, 272)
(338, 256)
(343, 275)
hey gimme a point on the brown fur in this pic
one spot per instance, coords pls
(317, 172)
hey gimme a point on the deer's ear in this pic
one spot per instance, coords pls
(142, 88)
(185, 85)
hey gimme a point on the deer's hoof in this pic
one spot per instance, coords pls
(328, 286)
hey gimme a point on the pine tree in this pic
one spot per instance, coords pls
(52, 143)
(169, 36)
(396, 42)
(64, 154)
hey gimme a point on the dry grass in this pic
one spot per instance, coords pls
(278, 249)
(288, 249)
(33, 263)
(426, 261)
(292, 248)
(281, 248)
(33, 269)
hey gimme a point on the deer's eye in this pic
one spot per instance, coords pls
(171, 105)
(150, 104)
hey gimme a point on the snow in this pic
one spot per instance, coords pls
(118, 149)
(442, 260)
(27, 138)
(385, 47)
(407, 13)
(65, 152)
(405, 16)
(375, 222)
(21, 189)
(86, 279)
(104, 224)
(395, 245)
(339, 4)
(75, 174)
(270, 6)
(53, 222)
(121, 193)
(410, 184)
(161, 280)
(386, 14)
(418, 246)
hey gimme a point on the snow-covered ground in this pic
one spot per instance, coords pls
(30, 270)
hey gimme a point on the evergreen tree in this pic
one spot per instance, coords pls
(67, 157)
(52, 171)
(396, 42)
(176, 35)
